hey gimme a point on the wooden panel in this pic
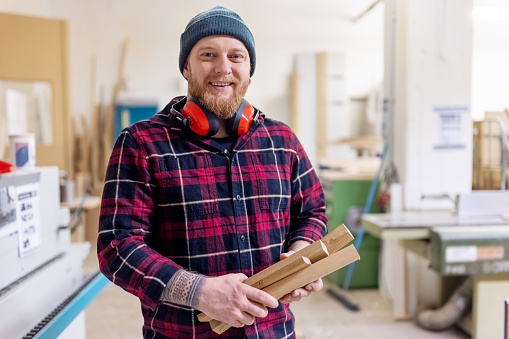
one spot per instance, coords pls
(486, 160)
(321, 102)
(295, 102)
(35, 49)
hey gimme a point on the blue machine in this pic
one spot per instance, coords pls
(128, 112)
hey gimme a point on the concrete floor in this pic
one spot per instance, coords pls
(116, 314)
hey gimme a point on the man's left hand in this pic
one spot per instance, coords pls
(304, 291)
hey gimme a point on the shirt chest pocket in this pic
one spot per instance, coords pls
(188, 187)
(273, 175)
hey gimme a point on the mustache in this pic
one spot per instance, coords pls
(232, 79)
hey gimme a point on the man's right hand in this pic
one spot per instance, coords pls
(228, 300)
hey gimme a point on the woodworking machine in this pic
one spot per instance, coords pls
(41, 269)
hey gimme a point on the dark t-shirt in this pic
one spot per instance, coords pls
(227, 142)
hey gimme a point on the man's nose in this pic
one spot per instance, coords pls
(223, 65)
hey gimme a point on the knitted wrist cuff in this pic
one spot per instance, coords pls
(184, 288)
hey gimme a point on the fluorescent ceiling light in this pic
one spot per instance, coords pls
(490, 13)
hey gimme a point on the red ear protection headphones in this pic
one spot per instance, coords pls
(203, 122)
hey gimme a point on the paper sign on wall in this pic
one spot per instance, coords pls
(451, 129)
(28, 217)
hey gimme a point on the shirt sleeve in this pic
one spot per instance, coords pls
(126, 222)
(184, 288)
(308, 219)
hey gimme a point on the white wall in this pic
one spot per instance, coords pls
(281, 29)
(431, 122)
(490, 63)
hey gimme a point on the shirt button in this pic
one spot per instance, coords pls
(242, 237)
(238, 197)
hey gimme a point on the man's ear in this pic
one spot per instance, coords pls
(185, 70)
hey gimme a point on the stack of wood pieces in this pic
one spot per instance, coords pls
(301, 268)
(488, 156)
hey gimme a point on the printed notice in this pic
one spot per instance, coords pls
(29, 230)
(7, 211)
(451, 127)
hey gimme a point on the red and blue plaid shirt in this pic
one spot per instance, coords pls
(173, 200)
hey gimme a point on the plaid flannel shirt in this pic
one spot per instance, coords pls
(173, 200)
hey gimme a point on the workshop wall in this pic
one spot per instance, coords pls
(490, 69)
(152, 28)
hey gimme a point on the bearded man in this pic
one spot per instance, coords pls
(207, 193)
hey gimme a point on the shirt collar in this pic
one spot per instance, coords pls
(166, 118)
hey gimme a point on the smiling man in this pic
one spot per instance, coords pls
(218, 70)
(206, 193)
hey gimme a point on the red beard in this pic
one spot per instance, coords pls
(222, 108)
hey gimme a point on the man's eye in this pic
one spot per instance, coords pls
(237, 57)
(207, 55)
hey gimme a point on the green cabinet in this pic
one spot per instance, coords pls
(343, 197)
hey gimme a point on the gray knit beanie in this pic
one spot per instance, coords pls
(216, 21)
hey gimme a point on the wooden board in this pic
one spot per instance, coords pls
(321, 101)
(317, 270)
(316, 251)
(337, 239)
(314, 272)
(35, 49)
(282, 269)
(293, 267)
(287, 266)
(329, 244)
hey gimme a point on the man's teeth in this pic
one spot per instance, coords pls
(220, 84)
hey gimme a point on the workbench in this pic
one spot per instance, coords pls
(88, 219)
(414, 234)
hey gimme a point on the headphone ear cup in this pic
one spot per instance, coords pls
(202, 121)
(240, 122)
